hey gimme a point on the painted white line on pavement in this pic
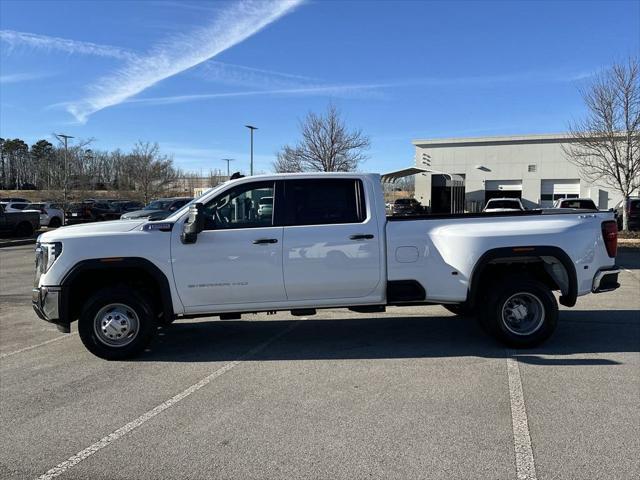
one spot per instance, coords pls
(145, 417)
(525, 465)
(26, 349)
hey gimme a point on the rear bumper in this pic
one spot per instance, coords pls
(605, 280)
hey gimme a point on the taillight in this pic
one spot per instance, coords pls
(610, 237)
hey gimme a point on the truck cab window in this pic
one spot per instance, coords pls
(321, 202)
(241, 207)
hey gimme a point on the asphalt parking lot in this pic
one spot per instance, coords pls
(411, 393)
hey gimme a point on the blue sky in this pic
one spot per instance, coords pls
(191, 74)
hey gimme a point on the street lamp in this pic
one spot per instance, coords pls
(251, 129)
(228, 160)
(63, 138)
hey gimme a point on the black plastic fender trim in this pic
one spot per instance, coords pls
(568, 300)
(116, 263)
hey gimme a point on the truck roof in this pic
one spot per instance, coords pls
(276, 176)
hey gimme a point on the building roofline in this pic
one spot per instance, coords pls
(534, 138)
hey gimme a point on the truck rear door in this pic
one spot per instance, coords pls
(331, 241)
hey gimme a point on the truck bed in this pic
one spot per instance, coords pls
(441, 251)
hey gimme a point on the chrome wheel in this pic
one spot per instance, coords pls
(116, 325)
(523, 313)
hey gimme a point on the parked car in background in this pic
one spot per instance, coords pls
(406, 206)
(14, 206)
(503, 205)
(265, 207)
(633, 212)
(18, 223)
(581, 203)
(13, 199)
(89, 211)
(124, 206)
(159, 209)
(51, 214)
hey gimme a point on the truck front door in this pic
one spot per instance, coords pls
(237, 259)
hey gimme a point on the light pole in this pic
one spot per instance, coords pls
(251, 129)
(63, 138)
(228, 160)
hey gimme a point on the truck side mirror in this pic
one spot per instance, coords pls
(194, 224)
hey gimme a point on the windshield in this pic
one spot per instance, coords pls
(184, 209)
(158, 205)
(34, 206)
(584, 204)
(503, 204)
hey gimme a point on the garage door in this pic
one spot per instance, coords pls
(551, 190)
(504, 185)
(502, 189)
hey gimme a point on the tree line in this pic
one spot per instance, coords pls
(45, 166)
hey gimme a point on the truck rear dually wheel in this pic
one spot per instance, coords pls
(520, 312)
(116, 323)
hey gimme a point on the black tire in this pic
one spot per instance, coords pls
(24, 229)
(506, 304)
(132, 306)
(459, 309)
(54, 222)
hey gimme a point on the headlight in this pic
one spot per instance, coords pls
(46, 255)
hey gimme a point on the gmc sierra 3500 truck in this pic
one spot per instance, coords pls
(327, 243)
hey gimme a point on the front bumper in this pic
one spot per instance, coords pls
(606, 280)
(46, 303)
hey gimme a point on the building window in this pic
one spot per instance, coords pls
(532, 168)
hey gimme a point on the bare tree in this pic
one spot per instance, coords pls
(326, 146)
(606, 143)
(154, 172)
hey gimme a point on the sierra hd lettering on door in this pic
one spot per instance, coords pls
(237, 259)
(331, 241)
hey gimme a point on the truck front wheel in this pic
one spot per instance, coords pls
(116, 323)
(520, 312)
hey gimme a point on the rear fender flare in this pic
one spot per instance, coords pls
(567, 298)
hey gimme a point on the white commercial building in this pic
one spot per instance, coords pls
(531, 167)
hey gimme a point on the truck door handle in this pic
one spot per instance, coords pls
(261, 241)
(362, 236)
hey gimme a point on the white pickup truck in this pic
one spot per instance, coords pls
(326, 243)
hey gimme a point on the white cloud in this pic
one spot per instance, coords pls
(231, 26)
(22, 77)
(21, 39)
(239, 75)
(343, 90)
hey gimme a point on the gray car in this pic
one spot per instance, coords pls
(158, 209)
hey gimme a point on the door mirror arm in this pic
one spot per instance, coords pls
(194, 224)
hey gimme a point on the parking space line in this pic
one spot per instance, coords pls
(525, 465)
(145, 417)
(26, 349)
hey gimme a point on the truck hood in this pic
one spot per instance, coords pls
(91, 229)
